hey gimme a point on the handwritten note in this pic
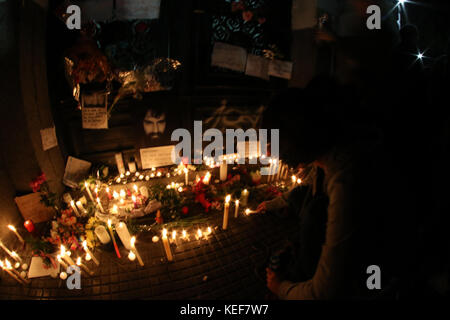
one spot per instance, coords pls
(76, 170)
(280, 69)
(48, 137)
(157, 157)
(94, 118)
(138, 9)
(257, 66)
(228, 56)
(31, 208)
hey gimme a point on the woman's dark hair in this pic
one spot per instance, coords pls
(310, 120)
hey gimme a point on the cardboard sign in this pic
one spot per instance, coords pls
(48, 137)
(280, 69)
(31, 208)
(229, 56)
(94, 110)
(76, 170)
(257, 66)
(138, 9)
(157, 157)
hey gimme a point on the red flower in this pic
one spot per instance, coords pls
(247, 15)
(261, 20)
(185, 210)
(36, 183)
(201, 199)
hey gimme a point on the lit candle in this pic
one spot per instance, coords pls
(72, 203)
(113, 239)
(135, 188)
(186, 176)
(184, 235)
(244, 197)
(16, 257)
(8, 252)
(61, 262)
(13, 229)
(9, 267)
(286, 171)
(294, 180)
(8, 270)
(278, 167)
(80, 206)
(65, 255)
(134, 199)
(114, 209)
(88, 252)
(236, 208)
(226, 209)
(131, 256)
(134, 250)
(206, 178)
(88, 271)
(115, 195)
(166, 245)
(88, 189)
(174, 236)
(108, 193)
(199, 234)
(223, 170)
(123, 194)
(299, 181)
(100, 205)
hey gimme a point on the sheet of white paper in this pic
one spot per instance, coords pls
(280, 69)
(94, 118)
(76, 170)
(228, 56)
(37, 269)
(137, 9)
(157, 157)
(48, 137)
(257, 66)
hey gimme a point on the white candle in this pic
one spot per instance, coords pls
(8, 252)
(84, 267)
(61, 262)
(88, 189)
(72, 203)
(186, 176)
(123, 194)
(166, 245)
(80, 206)
(286, 171)
(199, 234)
(88, 252)
(124, 234)
(244, 197)
(223, 170)
(226, 209)
(16, 257)
(8, 270)
(206, 178)
(119, 162)
(294, 180)
(134, 250)
(9, 267)
(102, 234)
(65, 256)
(236, 208)
(184, 235)
(115, 195)
(135, 188)
(13, 229)
(100, 205)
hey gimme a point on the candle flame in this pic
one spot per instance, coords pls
(14, 254)
(135, 188)
(11, 227)
(78, 261)
(185, 170)
(132, 241)
(237, 202)
(131, 256)
(199, 232)
(63, 250)
(79, 203)
(158, 174)
(72, 203)
(122, 201)
(88, 257)
(98, 200)
(174, 234)
(58, 257)
(107, 189)
(86, 184)
(294, 178)
(247, 211)
(228, 198)
(133, 197)
(115, 195)
(122, 193)
(1, 264)
(164, 233)
(209, 230)
(109, 223)
(8, 264)
(184, 233)
(299, 181)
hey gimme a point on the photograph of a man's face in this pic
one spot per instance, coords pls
(154, 124)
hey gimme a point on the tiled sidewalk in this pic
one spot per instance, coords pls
(222, 267)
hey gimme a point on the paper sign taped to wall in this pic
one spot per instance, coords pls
(76, 170)
(157, 157)
(94, 112)
(48, 137)
(257, 66)
(138, 9)
(31, 208)
(280, 69)
(228, 56)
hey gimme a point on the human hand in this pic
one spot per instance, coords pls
(273, 282)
